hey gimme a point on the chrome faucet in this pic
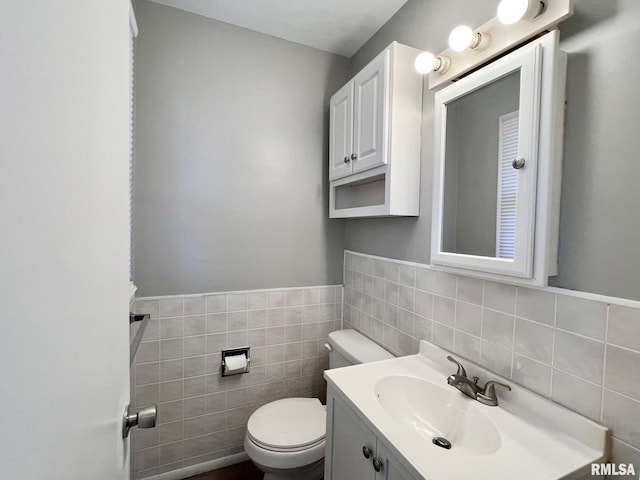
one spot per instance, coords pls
(486, 395)
(462, 382)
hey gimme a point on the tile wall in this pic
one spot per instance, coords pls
(203, 416)
(580, 350)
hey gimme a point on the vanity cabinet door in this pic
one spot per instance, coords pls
(370, 111)
(349, 436)
(353, 450)
(391, 469)
(341, 135)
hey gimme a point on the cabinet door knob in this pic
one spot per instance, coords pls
(354, 156)
(518, 163)
(366, 451)
(346, 159)
(377, 464)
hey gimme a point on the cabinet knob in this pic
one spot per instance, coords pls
(346, 159)
(366, 451)
(518, 163)
(354, 156)
(377, 464)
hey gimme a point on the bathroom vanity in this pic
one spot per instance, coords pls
(394, 420)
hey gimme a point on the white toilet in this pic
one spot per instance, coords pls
(286, 438)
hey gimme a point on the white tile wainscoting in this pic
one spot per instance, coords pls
(203, 416)
(580, 350)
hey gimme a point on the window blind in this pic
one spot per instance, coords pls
(507, 185)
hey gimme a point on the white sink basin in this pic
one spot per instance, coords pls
(431, 411)
(406, 402)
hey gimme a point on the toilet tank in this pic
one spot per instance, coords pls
(349, 347)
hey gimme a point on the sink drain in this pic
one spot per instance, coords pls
(442, 442)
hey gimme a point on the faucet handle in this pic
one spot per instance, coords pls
(488, 394)
(461, 371)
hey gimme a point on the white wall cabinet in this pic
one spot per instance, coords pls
(350, 441)
(374, 139)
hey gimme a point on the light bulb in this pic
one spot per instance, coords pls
(425, 62)
(460, 38)
(512, 11)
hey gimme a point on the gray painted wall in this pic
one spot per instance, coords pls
(231, 158)
(600, 219)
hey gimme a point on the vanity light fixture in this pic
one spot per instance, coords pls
(471, 47)
(427, 62)
(512, 11)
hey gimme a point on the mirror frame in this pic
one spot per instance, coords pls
(542, 69)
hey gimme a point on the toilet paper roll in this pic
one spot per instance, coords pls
(234, 364)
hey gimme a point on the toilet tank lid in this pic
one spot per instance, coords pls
(357, 348)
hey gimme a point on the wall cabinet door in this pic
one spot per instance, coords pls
(341, 134)
(370, 110)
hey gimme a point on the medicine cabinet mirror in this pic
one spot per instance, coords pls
(498, 145)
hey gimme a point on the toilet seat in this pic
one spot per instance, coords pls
(290, 424)
(287, 433)
(287, 449)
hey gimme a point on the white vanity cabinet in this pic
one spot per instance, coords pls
(349, 441)
(374, 138)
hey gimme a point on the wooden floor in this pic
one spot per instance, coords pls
(240, 471)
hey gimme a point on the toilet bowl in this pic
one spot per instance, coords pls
(286, 438)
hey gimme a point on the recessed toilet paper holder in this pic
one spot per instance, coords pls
(232, 352)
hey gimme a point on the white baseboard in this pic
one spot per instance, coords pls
(203, 467)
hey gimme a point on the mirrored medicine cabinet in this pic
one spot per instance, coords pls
(497, 168)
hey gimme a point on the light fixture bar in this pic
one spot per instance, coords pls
(503, 38)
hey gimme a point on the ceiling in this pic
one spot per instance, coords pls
(337, 26)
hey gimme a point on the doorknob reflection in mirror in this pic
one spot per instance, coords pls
(143, 418)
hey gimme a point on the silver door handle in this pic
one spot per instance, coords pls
(143, 418)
